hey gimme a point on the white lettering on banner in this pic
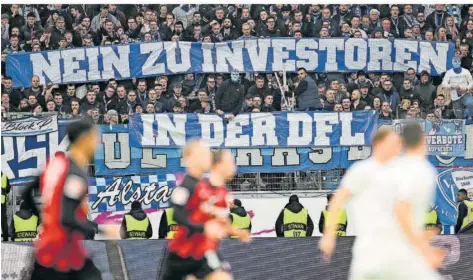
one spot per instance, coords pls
(356, 46)
(249, 157)
(285, 157)
(51, 67)
(111, 161)
(149, 160)
(306, 50)
(207, 122)
(226, 57)
(258, 53)
(114, 194)
(321, 120)
(72, 72)
(346, 139)
(281, 48)
(111, 61)
(359, 153)
(403, 59)
(380, 55)
(171, 56)
(264, 124)
(208, 64)
(430, 56)
(8, 155)
(332, 46)
(93, 58)
(23, 155)
(150, 67)
(295, 138)
(320, 155)
(166, 127)
(235, 136)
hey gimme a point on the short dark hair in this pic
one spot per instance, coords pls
(78, 128)
(301, 68)
(31, 14)
(412, 135)
(329, 196)
(217, 156)
(463, 191)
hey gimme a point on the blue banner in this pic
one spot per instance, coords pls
(255, 130)
(449, 181)
(445, 137)
(28, 142)
(82, 65)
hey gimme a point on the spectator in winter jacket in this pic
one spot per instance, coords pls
(258, 88)
(307, 94)
(30, 30)
(408, 92)
(99, 20)
(229, 97)
(15, 95)
(426, 91)
(390, 96)
(91, 103)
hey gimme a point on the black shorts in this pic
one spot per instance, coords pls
(177, 268)
(88, 272)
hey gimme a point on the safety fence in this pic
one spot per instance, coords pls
(263, 259)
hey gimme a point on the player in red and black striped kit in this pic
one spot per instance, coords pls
(63, 186)
(201, 208)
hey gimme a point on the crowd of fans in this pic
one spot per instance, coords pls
(33, 28)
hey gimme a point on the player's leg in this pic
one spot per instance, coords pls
(89, 272)
(45, 273)
(213, 268)
(177, 268)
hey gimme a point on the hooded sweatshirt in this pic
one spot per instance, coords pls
(295, 207)
(426, 93)
(137, 213)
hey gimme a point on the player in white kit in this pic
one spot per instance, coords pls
(387, 240)
(360, 187)
(411, 189)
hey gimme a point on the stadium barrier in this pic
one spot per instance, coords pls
(263, 259)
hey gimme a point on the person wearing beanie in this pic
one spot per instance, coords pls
(294, 220)
(136, 224)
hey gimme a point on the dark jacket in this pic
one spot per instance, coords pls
(307, 95)
(410, 94)
(427, 94)
(15, 96)
(163, 226)
(294, 207)
(25, 32)
(361, 106)
(392, 97)
(86, 106)
(240, 211)
(462, 213)
(229, 97)
(140, 215)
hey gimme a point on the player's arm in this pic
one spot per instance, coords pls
(28, 196)
(179, 199)
(341, 197)
(74, 190)
(403, 213)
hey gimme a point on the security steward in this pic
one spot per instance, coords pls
(136, 224)
(5, 190)
(465, 212)
(342, 222)
(432, 221)
(239, 217)
(294, 220)
(167, 225)
(24, 225)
